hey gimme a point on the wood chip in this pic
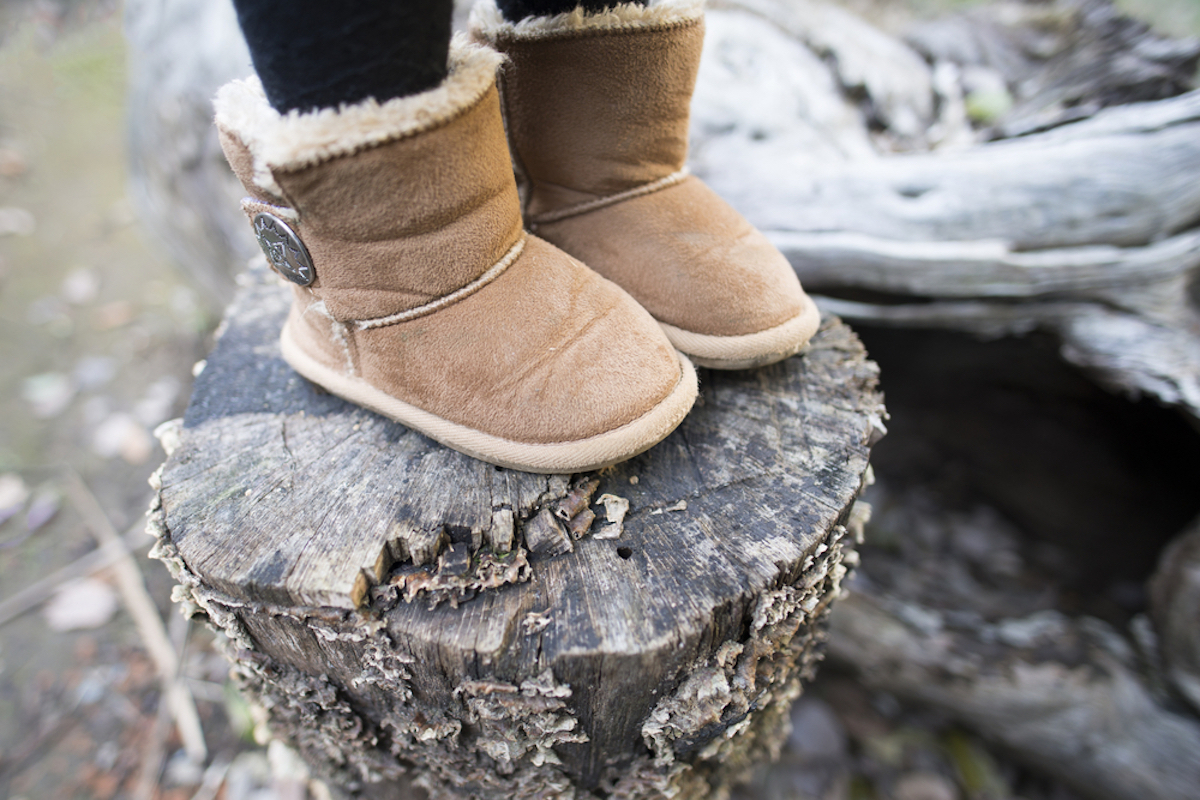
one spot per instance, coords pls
(535, 622)
(545, 535)
(579, 498)
(581, 523)
(615, 509)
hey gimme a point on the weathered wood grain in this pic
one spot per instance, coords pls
(1175, 609)
(347, 554)
(1085, 230)
(1064, 60)
(1064, 693)
(1124, 178)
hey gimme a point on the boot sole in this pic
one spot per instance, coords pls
(582, 455)
(751, 349)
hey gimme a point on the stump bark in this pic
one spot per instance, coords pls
(406, 613)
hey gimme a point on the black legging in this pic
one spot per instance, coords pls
(322, 53)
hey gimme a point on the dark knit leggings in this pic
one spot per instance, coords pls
(322, 53)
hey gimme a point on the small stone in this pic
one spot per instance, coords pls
(48, 394)
(249, 777)
(92, 372)
(182, 770)
(924, 786)
(12, 163)
(116, 314)
(80, 604)
(13, 494)
(158, 403)
(16, 222)
(122, 435)
(80, 286)
(817, 733)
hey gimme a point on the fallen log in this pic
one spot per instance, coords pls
(1067, 694)
(1085, 230)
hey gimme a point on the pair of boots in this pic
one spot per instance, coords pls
(429, 290)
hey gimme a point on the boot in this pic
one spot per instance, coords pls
(596, 107)
(417, 293)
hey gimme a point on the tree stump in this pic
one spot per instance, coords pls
(404, 612)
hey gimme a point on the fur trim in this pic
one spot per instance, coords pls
(297, 140)
(489, 24)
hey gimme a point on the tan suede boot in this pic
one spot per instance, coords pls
(419, 295)
(597, 112)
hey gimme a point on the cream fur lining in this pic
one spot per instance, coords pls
(298, 140)
(490, 24)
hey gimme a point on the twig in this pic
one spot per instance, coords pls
(154, 754)
(145, 617)
(214, 779)
(208, 691)
(39, 591)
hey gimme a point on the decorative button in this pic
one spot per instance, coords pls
(283, 249)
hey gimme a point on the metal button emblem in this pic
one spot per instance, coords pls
(283, 249)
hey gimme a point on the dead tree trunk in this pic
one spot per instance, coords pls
(405, 612)
(1083, 225)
